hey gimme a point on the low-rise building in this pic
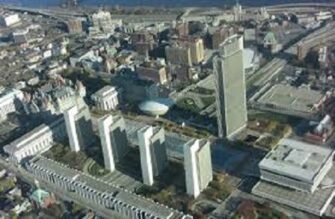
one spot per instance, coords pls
(115, 201)
(295, 174)
(106, 98)
(74, 26)
(36, 141)
(10, 101)
(21, 36)
(298, 101)
(9, 19)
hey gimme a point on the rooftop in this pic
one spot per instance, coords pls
(296, 159)
(101, 186)
(285, 96)
(105, 91)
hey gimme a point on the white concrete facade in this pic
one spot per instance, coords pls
(144, 136)
(7, 102)
(117, 202)
(104, 124)
(36, 141)
(197, 165)
(230, 89)
(9, 19)
(106, 98)
(70, 122)
(191, 171)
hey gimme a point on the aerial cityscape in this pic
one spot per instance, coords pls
(149, 109)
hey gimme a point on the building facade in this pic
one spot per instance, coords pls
(114, 201)
(74, 26)
(196, 46)
(79, 127)
(297, 174)
(36, 141)
(230, 87)
(106, 98)
(114, 140)
(10, 101)
(153, 152)
(153, 72)
(198, 166)
(178, 55)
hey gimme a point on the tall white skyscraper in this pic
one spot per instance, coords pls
(79, 127)
(152, 152)
(113, 138)
(230, 87)
(198, 166)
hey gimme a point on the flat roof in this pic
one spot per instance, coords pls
(102, 186)
(289, 97)
(105, 91)
(296, 159)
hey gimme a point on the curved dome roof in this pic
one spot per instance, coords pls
(154, 108)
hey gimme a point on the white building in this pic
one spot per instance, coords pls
(198, 166)
(297, 165)
(21, 36)
(323, 15)
(10, 101)
(106, 98)
(36, 141)
(299, 175)
(103, 22)
(79, 127)
(8, 20)
(152, 152)
(113, 136)
(230, 83)
(113, 200)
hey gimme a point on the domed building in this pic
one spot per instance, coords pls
(157, 107)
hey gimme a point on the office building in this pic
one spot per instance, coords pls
(152, 152)
(111, 199)
(196, 46)
(79, 127)
(198, 166)
(9, 19)
(10, 101)
(113, 138)
(178, 55)
(230, 87)
(103, 24)
(152, 71)
(297, 165)
(182, 29)
(186, 51)
(37, 141)
(142, 36)
(299, 175)
(220, 35)
(106, 98)
(21, 36)
(74, 26)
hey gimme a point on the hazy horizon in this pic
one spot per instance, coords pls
(167, 3)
